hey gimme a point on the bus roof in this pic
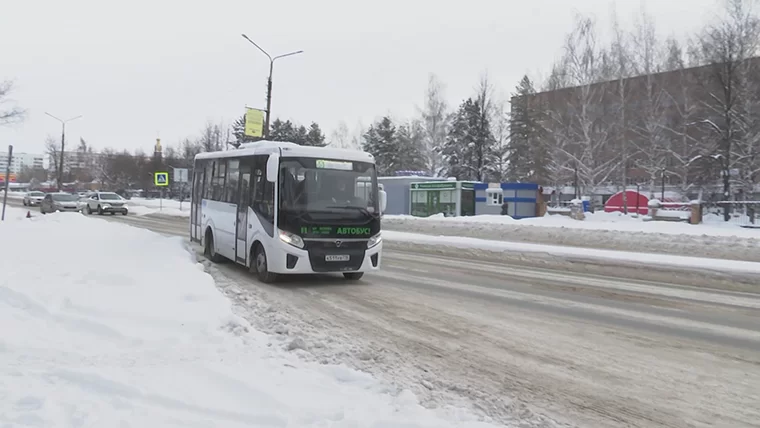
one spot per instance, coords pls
(287, 149)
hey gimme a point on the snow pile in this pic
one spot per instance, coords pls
(106, 325)
(170, 207)
(584, 253)
(601, 230)
(614, 221)
(15, 214)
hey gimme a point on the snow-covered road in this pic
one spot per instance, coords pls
(549, 346)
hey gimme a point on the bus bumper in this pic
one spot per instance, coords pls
(291, 260)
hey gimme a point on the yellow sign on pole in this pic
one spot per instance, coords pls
(161, 179)
(254, 122)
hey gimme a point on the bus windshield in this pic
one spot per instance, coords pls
(345, 188)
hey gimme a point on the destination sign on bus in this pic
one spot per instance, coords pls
(341, 230)
(329, 164)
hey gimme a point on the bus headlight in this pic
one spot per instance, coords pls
(291, 238)
(374, 241)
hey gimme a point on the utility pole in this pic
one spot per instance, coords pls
(63, 146)
(269, 81)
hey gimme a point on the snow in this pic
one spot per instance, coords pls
(102, 324)
(613, 221)
(170, 207)
(585, 253)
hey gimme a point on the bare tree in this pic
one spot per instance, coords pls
(340, 137)
(435, 121)
(727, 46)
(652, 138)
(213, 137)
(9, 112)
(53, 150)
(586, 128)
(623, 67)
(500, 128)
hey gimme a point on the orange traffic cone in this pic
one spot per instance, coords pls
(28, 214)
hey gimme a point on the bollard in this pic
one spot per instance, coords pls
(653, 205)
(696, 212)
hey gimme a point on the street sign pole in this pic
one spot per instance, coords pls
(7, 179)
(161, 179)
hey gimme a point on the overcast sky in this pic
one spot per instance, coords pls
(139, 69)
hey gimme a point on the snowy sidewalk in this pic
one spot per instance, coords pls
(104, 325)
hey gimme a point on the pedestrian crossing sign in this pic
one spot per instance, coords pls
(161, 179)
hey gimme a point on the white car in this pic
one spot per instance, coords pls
(33, 198)
(106, 202)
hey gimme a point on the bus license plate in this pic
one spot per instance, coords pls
(337, 258)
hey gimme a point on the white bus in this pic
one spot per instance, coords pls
(280, 208)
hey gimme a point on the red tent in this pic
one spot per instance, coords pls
(633, 200)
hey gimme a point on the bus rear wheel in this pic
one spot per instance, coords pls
(260, 265)
(353, 276)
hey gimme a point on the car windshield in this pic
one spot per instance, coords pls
(109, 197)
(320, 185)
(36, 194)
(64, 197)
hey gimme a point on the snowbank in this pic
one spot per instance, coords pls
(106, 325)
(524, 249)
(170, 207)
(613, 221)
(613, 231)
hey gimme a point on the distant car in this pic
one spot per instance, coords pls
(62, 202)
(106, 202)
(33, 198)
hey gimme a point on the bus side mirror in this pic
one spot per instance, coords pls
(383, 200)
(273, 164)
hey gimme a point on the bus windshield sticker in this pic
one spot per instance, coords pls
(328, 164)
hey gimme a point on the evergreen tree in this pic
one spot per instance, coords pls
(238, 131)
(281, 131)
(380, 141)
(527, 154)
(469, 144)
(315, 137)
(299, 135)
(411, 147)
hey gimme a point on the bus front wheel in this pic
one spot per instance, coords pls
(209, 249)
(261, 266)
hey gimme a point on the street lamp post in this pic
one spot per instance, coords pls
(269, 80)
(63, 145)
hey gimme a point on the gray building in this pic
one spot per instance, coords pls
(397, 189)
(520, 198)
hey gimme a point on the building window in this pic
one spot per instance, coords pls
(495, 197)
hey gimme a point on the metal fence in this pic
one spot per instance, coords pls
(742, 213)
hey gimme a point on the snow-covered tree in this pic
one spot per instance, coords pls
(381, 141)
(527, 154)
(727, 47)
(314, 136)
(411, 147)
(469, 145)
(340, 137)
(298, 134)
(435, 121)
(580, 114)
